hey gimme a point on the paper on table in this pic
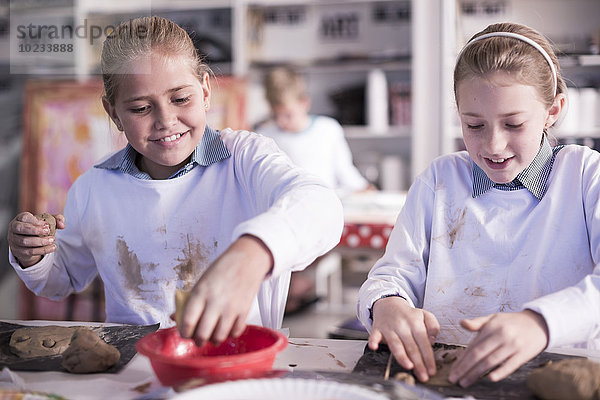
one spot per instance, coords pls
(10, 380)
(272, 389)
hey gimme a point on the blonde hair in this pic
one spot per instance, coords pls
(523, 61)
(137, 38)
(283, 83)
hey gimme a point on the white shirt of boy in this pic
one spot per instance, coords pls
(147, 238)
(460, 256)
(322, 150)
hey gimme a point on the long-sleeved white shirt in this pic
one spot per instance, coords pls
(322, 150)
(463, 257)
(145, 238)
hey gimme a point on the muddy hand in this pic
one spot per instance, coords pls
(30, 238)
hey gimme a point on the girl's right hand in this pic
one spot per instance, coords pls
(409, 333)
(29, 238)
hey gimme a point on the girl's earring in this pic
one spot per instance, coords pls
(119, 126)
(546, 126)
(206, 105)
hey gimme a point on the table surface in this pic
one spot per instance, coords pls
(137, 380)
(137, 377)
(373, 207)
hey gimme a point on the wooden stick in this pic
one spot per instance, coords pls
(388, 367)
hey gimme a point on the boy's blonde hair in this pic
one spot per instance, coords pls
(521, 60)
(137, 38)
(284, 83)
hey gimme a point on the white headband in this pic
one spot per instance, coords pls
(523, 39)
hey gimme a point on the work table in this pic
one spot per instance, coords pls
(137, 379)
(333, 359)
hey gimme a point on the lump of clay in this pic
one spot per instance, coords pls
(572, 378)
(444, 358)
(88, 353)
(180, 300)
(40, 341)
(50, 220)
(405, 377)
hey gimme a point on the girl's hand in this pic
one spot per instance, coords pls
(219, 303)
(409, 333)
(505, 342)
(29, 238)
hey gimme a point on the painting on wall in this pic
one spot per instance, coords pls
(66, 131)
(227, 103)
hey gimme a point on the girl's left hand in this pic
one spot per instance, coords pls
(504, 342)
(219, 303)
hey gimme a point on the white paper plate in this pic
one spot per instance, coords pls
(277, 389)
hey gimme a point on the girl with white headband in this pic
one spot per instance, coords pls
(497, 247)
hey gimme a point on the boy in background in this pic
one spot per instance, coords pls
(315, 143)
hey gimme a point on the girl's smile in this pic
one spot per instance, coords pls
(170, 138)
(162, 113)
(498, 163)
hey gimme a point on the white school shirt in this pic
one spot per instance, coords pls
(322, 150)
(503, 251)
(146, 238)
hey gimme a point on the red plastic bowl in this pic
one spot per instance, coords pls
(176, 360)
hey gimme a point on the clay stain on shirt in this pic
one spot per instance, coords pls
(130, 267)
(476, 291)
(445, 284)
(455, 224)
(192, 264)
(504, 299)
(505, 307)
(455, 227)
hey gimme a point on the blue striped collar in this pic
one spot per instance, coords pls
(210, 150)
(534, 178)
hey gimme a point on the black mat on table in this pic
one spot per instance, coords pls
(373, 363)
(123, 337)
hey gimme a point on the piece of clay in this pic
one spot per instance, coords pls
(180, 299)
(444, 358)
(40, 341)
(405, 377)
(572, 378)
(88, 353)
(48, 218)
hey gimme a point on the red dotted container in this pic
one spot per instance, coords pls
(372, 236)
